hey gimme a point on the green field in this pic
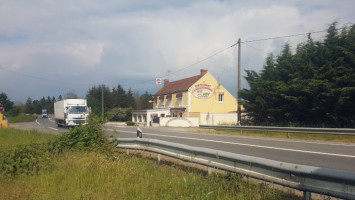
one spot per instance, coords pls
(83, 174)
(21, 118)
(10, 138)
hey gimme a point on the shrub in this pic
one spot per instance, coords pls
(30, 158)
(130, 123)
(89, 137)
(24, 159)
(119, 114)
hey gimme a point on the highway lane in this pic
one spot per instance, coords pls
(41, 124)
(319, 154)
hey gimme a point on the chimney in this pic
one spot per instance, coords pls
(203, 72)
(166, 82)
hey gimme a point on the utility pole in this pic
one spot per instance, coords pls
(102, 102)
(239, 82)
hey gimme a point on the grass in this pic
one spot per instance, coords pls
(282, 135)
(94, 175)
(21, 118)
(10, 137)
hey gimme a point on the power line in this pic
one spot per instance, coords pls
(218, 52)
(184, 68)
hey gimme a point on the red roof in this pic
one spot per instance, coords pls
(178, 86)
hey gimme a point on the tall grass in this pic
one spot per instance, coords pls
(80, 164)
(94, 176)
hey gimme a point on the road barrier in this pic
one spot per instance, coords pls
(335, 183)
(328, 131)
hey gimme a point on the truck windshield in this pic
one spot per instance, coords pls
(77, 109)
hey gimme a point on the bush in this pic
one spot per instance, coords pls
(88, 137)
(119, 114)
(130, 123)
(30, 158)
(24, 159)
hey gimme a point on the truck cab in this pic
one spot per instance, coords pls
(76, 115)
(44, 113)
(71, 112)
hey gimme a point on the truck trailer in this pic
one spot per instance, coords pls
(70, 112)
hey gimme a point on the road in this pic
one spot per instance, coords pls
(319, 154)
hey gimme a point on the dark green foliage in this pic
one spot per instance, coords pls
(315, 86)
(130, 123)
(31, 158)
(143, 102)
(88, 137)
(36, 106)
(6, 102)
(119, 114)
(116, 102)
(24, 159)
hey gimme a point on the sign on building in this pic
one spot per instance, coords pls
(203, 91)
(158, 81)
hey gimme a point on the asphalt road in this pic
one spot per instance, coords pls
(318, 154)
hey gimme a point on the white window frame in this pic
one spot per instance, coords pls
(221, 98)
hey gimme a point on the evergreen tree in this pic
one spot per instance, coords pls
(313, 87)
(5, 101)
(29, 106)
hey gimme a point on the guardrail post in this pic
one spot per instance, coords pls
(307, 195)
(209, 169)
(158, 160)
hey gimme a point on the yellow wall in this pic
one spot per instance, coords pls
(200, 105)
(212, 104)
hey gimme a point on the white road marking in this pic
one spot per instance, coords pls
(250, 145)
(37, 122)
(53, 128)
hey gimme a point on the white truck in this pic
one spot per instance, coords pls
(70, 112)
(44, 113)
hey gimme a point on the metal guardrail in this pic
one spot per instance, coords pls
(328, 131)
(335, 183)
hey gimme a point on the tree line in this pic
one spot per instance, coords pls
(314, 86)
(118, 103)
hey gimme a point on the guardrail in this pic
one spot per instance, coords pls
(328, 131)
(335, 183)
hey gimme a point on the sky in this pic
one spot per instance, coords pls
(51, 48)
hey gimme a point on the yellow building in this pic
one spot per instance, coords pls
(191, 101)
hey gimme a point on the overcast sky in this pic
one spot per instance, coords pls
(50, 47)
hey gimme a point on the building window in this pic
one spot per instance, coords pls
(221, 98)
(162, 103)
(180, 101)
(170, 102)
(180, 114)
